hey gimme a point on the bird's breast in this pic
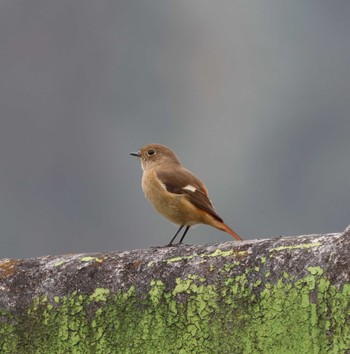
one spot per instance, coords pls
(174, 207)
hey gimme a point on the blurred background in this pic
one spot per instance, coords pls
(254, 97)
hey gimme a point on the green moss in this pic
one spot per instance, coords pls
(216, 253)
(219, 252)
(315, 270)
(305, 245)
(100, 294)
(88, 259)
(263, 260)
(57, 264)
(238, 314)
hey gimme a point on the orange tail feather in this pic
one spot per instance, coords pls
(223, 227)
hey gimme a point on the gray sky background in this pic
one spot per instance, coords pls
(254, 97)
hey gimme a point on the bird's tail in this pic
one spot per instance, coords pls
(223, 227)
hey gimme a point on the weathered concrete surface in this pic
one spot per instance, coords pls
(283, 295)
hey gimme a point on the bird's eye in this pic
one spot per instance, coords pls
(151, 152)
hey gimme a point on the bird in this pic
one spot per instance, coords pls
(175, 192)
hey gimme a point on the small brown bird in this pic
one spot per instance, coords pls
(175, 192)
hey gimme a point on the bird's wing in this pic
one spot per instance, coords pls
(183, 182)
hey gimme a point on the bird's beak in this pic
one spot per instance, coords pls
(135, 154)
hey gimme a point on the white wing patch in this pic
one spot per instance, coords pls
(162, 185)
(190, 188)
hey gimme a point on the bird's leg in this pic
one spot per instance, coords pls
(177, 232)
(183, 236)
